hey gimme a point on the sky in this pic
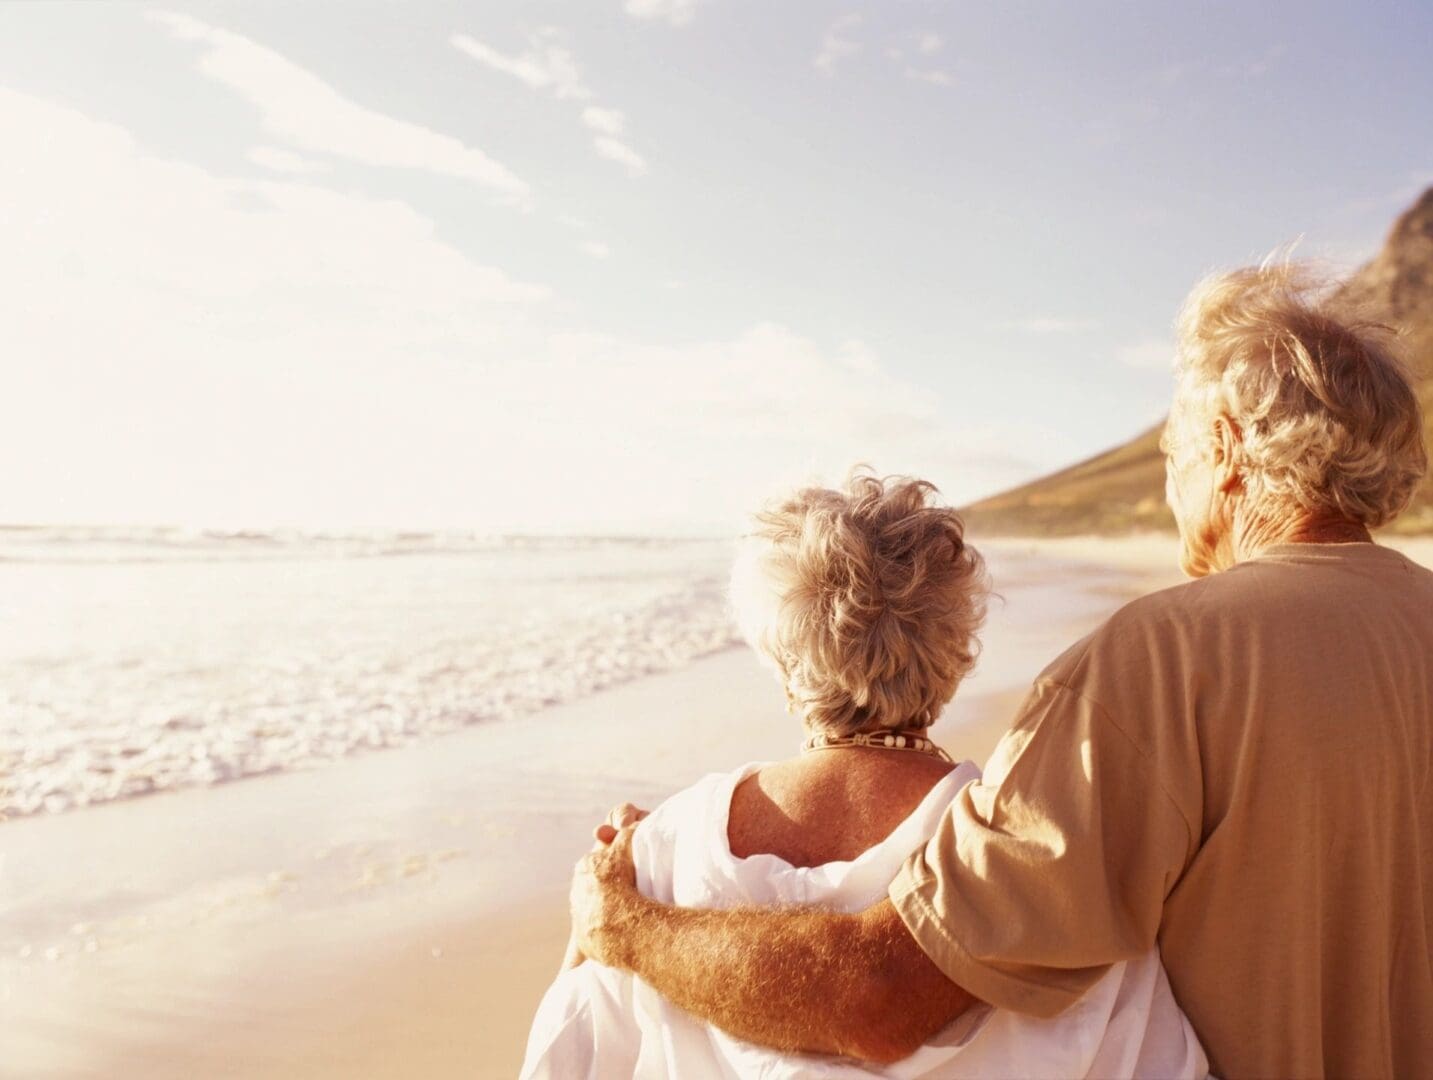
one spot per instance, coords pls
(632, 266)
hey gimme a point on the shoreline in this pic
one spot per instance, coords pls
(400, 913)
(1144, 561)
(1144, 555)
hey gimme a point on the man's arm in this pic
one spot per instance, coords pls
(796, 980)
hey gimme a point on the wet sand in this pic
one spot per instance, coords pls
(399, 914)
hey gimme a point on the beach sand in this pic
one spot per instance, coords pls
(400, 913)
(412, 937)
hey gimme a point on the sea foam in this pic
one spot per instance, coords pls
(147, 660)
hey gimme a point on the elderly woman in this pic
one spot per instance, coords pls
(866, 602)
(1237, 770)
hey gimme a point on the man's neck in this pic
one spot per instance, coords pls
(1261, 533)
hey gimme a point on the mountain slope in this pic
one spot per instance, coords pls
(1122, 490)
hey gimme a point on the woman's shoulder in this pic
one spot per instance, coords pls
(835, 813)
(677, 836)
(926, 816)
(689, 806)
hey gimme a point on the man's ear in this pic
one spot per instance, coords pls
(1228, 454)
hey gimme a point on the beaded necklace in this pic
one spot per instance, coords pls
(878, 740)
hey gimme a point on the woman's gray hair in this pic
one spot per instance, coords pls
(1329, 419)
(866, 599)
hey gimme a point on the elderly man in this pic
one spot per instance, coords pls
(1239, 769)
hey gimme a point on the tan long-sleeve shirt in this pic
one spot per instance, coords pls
(1241, 770)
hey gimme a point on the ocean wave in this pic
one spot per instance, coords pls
(257, 675)
(147, 544)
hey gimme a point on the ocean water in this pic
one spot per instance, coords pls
(136, 661)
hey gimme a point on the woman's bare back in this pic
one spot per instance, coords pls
(828, 806)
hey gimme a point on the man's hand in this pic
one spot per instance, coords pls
(795, 979)
(604, 898)
(621, 816)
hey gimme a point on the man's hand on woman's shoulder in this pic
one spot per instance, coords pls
(793, 979)
(604, 897)
(618, 818)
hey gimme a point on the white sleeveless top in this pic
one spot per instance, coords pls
(596, 1022)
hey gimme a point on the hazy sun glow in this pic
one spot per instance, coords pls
(251, 279)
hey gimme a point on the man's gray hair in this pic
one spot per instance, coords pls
(1328, 416)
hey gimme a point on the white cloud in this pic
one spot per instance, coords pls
(676, 12)
(604, 121)
(835, 47)
(284, 161)
(597, 249)
(688, 403)
(857, 356)
(300, 108)
(1149, 353)
(237, 335)
(1255, 67)
(618, 151)
(609, 124)
(547, 65)
(192, 348)
(925, 44)
(1046, 325)
(934, 76)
